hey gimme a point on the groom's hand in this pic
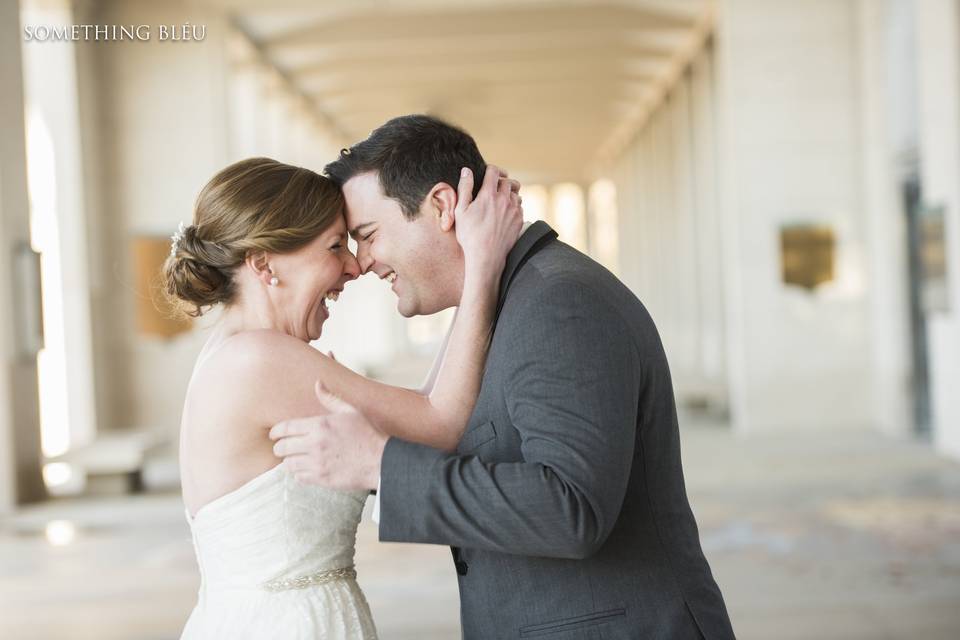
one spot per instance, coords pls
(339, 450)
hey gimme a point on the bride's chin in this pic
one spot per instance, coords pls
(314, 324)
(315, 328)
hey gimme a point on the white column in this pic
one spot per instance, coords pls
(658, 163)
(886, 85)
(730, 221)
(680, 269)
(243, 113)
(604, 220)
(629, 214)
(20, 475)
(57, 194)
(708, 228)
(568, 213)
(938, 62)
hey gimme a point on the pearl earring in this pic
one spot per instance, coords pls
(274, 281)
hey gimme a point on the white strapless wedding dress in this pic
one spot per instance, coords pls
(276, 561)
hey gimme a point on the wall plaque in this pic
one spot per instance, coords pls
(807, 254)
(155, 315)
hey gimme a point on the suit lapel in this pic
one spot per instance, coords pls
(532, 240)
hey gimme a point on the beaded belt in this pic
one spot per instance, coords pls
(312, 580)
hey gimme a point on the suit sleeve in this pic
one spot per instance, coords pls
(572, 394)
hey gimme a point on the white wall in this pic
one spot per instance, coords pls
(161, 132)
(782, 120)
(790, 152)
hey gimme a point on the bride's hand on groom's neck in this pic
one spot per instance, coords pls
(489, 225)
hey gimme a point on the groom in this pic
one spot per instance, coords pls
(564, 502)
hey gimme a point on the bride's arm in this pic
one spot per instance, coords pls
(435, 415)
(431, 380)
(486, 228)
(437, 418)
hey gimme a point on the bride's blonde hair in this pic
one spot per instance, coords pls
(256, 204)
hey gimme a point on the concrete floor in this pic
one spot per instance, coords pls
(821, 536)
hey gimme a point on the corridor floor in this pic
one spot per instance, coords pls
(823, 536)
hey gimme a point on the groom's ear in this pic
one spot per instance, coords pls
(441, 202)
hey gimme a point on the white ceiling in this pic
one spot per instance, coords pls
(548, 88)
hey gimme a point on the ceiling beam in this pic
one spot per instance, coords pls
(634, 122)
(416, 51)
(252, 52)
(561, 54)
(480, 102)
(453, 82)
(387, 22)
(540, 95)
(670, 7)
(480, 68)
(596, 117)
(398, 43)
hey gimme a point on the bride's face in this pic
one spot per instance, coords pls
(307, 277)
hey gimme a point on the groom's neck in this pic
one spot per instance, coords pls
(450, 279)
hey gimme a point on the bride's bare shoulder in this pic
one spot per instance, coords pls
(263, 347)
(266, 370)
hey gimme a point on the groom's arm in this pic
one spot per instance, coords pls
(572, 395)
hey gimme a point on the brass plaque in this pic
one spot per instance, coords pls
(807, 254)
(155, 315)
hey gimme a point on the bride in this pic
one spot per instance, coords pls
(268, 244)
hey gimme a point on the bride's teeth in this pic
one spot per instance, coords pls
(392, 277)
(333, 295)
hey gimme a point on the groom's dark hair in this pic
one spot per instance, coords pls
(410, 154)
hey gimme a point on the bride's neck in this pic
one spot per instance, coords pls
(247, 315)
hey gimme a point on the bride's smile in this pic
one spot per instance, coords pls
(291, 292)
(310, 278)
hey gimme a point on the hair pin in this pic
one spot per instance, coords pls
(177, 238)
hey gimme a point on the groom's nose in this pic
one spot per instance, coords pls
(364, 260)
(351, 267)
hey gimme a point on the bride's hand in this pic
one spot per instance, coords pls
(487, 227)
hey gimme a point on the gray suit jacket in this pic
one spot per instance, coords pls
(565, 501)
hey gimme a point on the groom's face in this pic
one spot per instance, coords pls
(422, 261)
